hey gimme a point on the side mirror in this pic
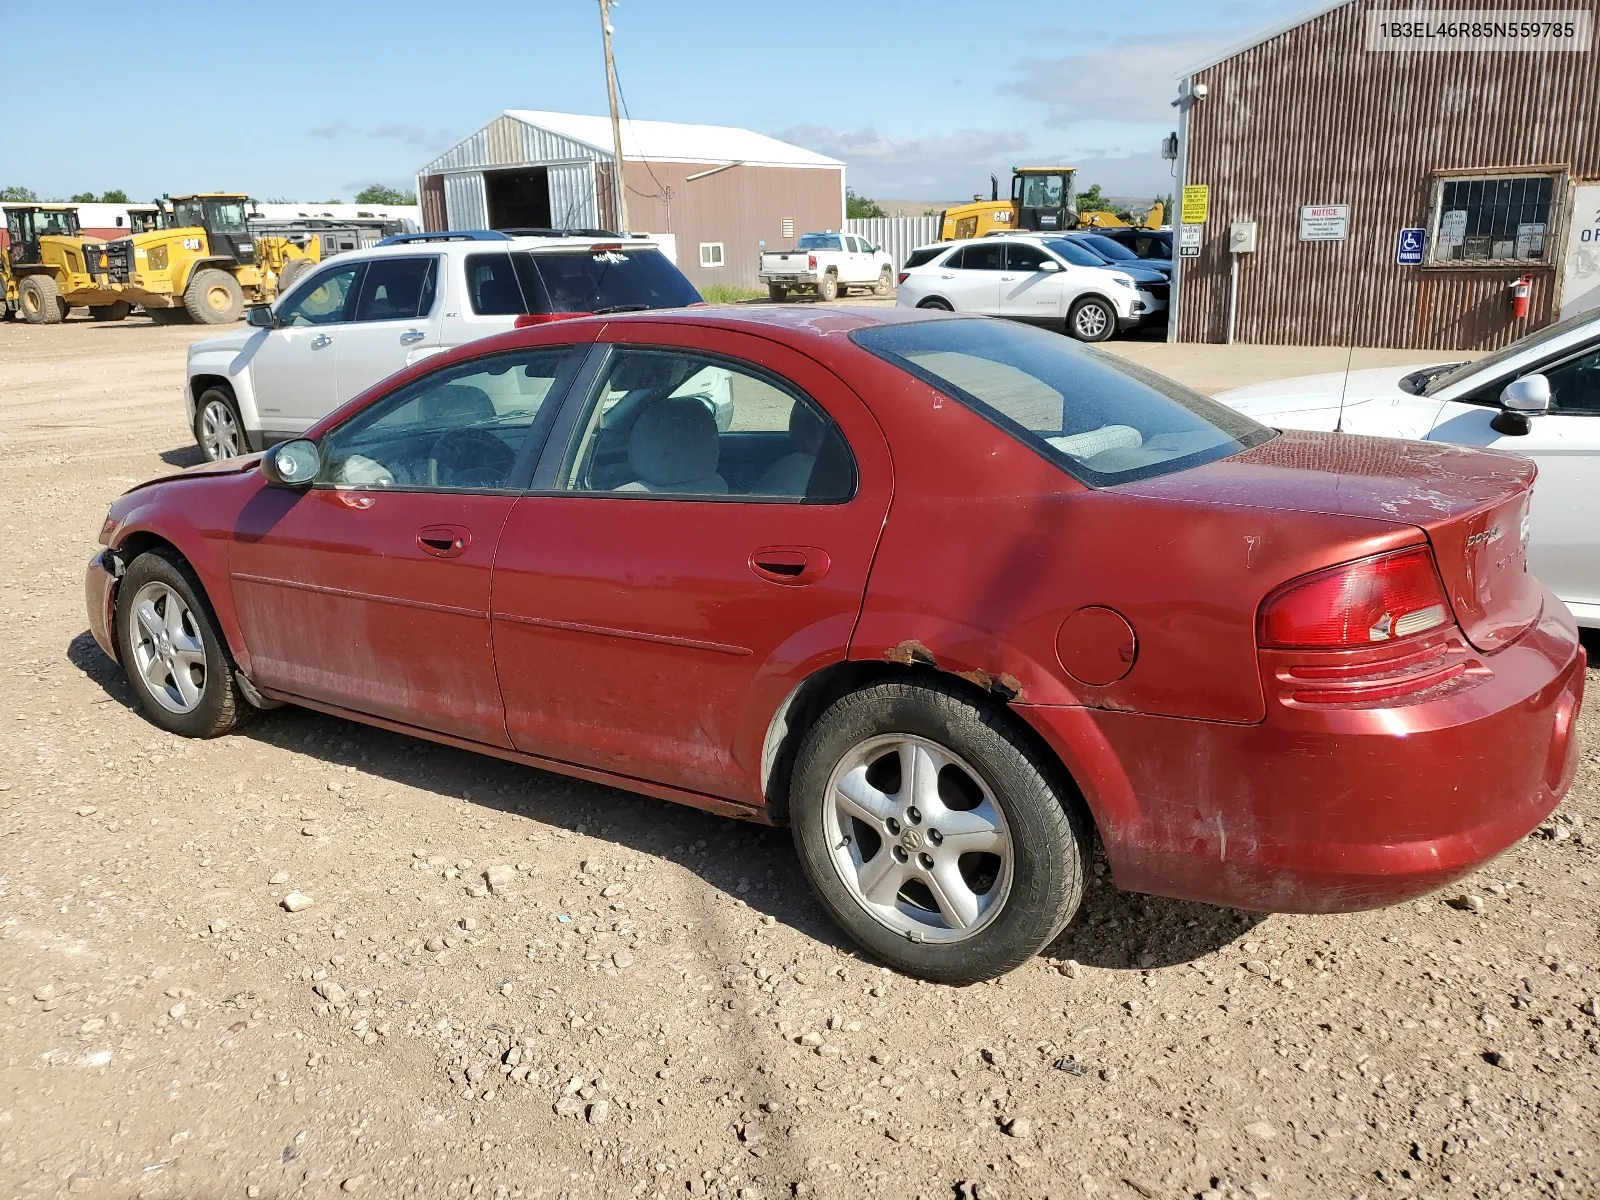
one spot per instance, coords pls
(260, 316)
(1049, 264)
(1521, 400)
(293, 464)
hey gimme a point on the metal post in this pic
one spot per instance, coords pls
(619, 188)
(1233, 295)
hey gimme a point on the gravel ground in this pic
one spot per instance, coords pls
(503, 983)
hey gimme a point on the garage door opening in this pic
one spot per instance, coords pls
(518, 199)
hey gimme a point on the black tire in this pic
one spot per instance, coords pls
(935, 303)
(117, 310)
(220, 707)
(168, 316)
(40, 301)
(213, 297)
(1091, 319)
(828, 288)
(777, 293)
(1048, 838)
(885, 284)
(292, 270)
(218, 429)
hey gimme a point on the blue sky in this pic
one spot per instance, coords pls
(921, 98)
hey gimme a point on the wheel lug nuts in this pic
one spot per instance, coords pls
(894, 827)
(935, 836)
(926, 860)
(899, 854)
(913, 815)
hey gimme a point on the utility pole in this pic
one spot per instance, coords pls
(618, 187)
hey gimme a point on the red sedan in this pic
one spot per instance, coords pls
(950, 596)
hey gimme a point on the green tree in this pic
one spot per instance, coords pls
(377, 193)
(82, 198)
(1092, 200)
(18, 195)
(860, 207)
(114, 196)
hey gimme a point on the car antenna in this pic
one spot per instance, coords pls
(1338, 425)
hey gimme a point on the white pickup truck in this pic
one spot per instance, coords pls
(829, 264)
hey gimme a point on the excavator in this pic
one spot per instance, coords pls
(1041, 200)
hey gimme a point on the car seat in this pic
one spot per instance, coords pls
(791, 474)
(672, 447)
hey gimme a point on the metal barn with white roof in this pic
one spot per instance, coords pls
(724, 193)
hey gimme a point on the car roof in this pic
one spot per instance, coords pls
(473, 245)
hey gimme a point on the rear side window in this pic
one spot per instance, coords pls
(1100, 418)
(980, 256)
(919, 258)
(397, 289)
(493, 288)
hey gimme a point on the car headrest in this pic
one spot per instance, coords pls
(652, 372)
(674, 441)
(455, 404)
(806, 429)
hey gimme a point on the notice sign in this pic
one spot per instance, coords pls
(1324, 222)
(1409, 246)
(1453, 228)
(1189, 241)
(1196, 203)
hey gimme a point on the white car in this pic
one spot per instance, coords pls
(1539, 397)
(366, 314)
(1041, 280)
(829, 264)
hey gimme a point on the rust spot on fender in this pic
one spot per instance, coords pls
(1008, 686)
(911, 653)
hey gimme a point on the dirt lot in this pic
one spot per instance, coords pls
(650, 1003)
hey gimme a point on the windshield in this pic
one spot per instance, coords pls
(1042, 191)
(227, 216)
(1107, 248)
(818, 241)
(1456, 373)
(1100, 418)
(1075, 253)
(57, 222)
(603, 281)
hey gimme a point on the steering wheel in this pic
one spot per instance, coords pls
(469, 458)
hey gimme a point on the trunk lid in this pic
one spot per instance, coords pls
(1472, 505)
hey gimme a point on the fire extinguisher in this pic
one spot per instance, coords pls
(1519, 296)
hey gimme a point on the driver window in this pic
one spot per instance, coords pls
(460, 428)
(1020, 257)
(323, 300)
(1575, 385)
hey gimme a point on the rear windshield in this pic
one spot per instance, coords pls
(507, 284)
(818, 241)
(1100, 418)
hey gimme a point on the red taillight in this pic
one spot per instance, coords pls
(527, 319)
(1379, 599)
(903, 276)
(811, 261)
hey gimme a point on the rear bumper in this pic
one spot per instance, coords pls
(100, 597)
(1338, 810)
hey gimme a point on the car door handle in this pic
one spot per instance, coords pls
(1008, 279)
(321, 340)
(793, 566)
(411, 337)
(947, 277)
(444, 541)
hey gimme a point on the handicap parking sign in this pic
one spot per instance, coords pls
(1408, 249)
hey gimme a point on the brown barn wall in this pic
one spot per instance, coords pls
(432, 196)
(1311, 117)
(738, 207)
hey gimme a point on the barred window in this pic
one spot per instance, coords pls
(1492, 219)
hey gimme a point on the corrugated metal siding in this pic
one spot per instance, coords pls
(1311, 117)
(506, 141)
(739, 207)
(540, 145)
(897, 235)
(572, 199)
(464, 202)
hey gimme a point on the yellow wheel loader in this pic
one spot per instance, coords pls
(48, 269)
(202, 263)
(1041, 200)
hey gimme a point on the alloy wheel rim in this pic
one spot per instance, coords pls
(219, 432)
(1091, 320)
(918, 839)
(168, 655)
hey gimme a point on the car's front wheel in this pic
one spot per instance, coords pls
(1092, 320)
(217, 428)
(933, 834)
(936, 304)
(174, 657)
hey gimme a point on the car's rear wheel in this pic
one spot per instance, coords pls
(1092, 320)
(828, 288)
(176, 661)
(777, 293)
(935, 303)
(933, 834)
(217, 428)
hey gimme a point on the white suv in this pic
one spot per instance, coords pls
(1040, 279)
(364, 315)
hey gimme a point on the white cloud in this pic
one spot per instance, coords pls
(941, 167)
